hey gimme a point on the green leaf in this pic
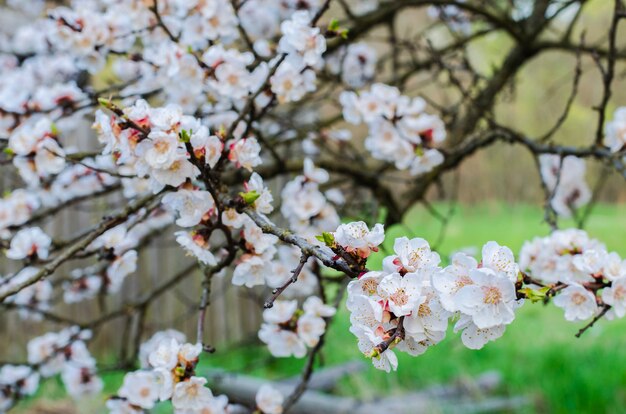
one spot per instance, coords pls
(327, 238)
(105, 102)
(344, 34)
(184, 135)
(250, 197)
(535, 295)
(333, 26)
(374, 353)
(8, 151)
(54, 129)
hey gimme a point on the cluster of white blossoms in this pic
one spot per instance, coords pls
(262, 20)
(615, 131)
(155, 146)
(560, 257)
(264, 262)
(289, 331)
(168, 373)
(408, 304)
(16, 209)
(168, 376)
(565, 179)
(94, 29)
(483, 293)
(308, 210)
(29, 243)
(586, 275)
(164, 155)
(32, 300)
(355, 64)
(37, 152)
(301, 46)
(399, 129)
(16, 381)
(53, 353)
(358, 239)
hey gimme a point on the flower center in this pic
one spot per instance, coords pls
(162, 146)
(578, 299)
(492, 295)
(233, 79)
(462, 281)
(415, 256)
(370, 286)
(176, 165)
(424, 310)
(192, 391)
(357, 232)
(400, 297)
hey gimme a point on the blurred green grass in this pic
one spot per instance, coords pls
(538, 357)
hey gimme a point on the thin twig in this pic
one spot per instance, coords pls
(293, 279)
(599, 316)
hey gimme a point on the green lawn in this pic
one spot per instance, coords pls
(538, 356)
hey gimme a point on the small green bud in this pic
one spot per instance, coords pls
(327, 238)
(54, 129)
(250, 197)
(333, 26)
(535, 295)
(185, 136)
(374, 354)
(104, 102)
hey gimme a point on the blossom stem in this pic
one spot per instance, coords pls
(599, 316)
(293, 279)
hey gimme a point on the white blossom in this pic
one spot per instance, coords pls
(489, 300)
(402, 294)
(165, 355)
(197, 246)
(140, 389)
(191, 205)
(245, 153)
(29, 242)
(269, 400)
(615, 130)
(192, 394)
(356, 237)
(577, 302)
